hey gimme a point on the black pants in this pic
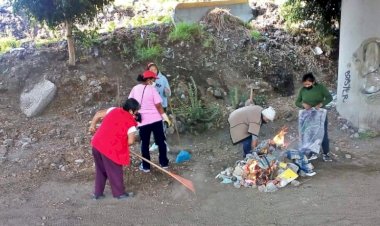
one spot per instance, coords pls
(325, 142)
(159, 138)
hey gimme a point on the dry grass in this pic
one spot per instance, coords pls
(222, 19)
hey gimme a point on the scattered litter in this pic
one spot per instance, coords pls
(270, 166)
(79, 161)
(348, 156)
(317, 51)
(183, 156)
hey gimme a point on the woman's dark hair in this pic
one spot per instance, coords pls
(308, 77)
(131, 104)
(140, 78)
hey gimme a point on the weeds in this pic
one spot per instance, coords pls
(236, 97)
(256, 35)
(369, 134)
(45, 42)
(194, 110)
(87, 38)
(140, 21)
(8, 43)
(208, 43)
(185, 32)
(261, 100)
(111, 26)
(149, 48)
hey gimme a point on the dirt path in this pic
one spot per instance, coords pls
(344, 192)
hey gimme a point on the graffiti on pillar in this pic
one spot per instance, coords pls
(346, 86)
(367, 62)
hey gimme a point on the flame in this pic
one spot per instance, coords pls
(279, 139)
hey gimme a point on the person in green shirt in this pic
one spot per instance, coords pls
(315, 95)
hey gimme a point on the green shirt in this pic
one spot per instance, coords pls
(314, 96)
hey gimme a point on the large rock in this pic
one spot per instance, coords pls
(35, 100)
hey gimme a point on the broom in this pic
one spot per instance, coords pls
(187, 183)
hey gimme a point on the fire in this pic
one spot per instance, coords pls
(279, 139)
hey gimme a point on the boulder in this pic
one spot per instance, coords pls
(35, 100)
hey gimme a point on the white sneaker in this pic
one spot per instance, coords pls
(313, 157)
(310, 174)
(154, 147)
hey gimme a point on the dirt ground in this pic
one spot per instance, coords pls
(35, 192)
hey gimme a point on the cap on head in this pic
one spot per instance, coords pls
(149, 74)
(269, 113)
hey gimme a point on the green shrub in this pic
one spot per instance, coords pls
(322, 16)
(45, 42)
(87, 38)
(139, 21)
(185, 32)
(8, 43)
(369, 134)
(111, 26)
(261, 100)
(256, 35)
(149, 53)
(194, 110)
(148, 49)
(236, 97)
(208, 43)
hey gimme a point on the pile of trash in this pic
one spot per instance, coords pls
(272, 165)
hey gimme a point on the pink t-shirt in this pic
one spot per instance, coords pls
(148, 111)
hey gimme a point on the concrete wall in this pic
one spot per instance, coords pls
(359, 63)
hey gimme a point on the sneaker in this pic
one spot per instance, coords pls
(327, 158)
(142, 169)
(165, 167)
(154, 147)
(310, 174)
(126, 195)
(97, 197)
(313, 157)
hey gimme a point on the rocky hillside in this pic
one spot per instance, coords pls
(223, 60)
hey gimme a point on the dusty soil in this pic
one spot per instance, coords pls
(34, 192)
(46, 169)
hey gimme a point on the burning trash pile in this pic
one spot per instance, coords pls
(270, 166)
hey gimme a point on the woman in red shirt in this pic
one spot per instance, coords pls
(110, 146)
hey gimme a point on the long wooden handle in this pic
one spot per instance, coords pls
(185, 182)
(154, 164)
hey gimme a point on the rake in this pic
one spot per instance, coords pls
(185, 182)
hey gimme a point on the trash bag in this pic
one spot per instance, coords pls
(183, 156)
(311, 130)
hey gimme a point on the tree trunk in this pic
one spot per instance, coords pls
(70, 42)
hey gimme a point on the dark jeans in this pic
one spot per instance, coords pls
(325, 142)
(106, 168)
(159, 138)
(247, 145)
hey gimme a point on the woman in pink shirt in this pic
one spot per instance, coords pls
(152, 115)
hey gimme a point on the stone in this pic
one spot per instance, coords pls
(3, 151)
(295, 183)
(94, 83)
(218, 93)
(26, 146)
(337, 149)
(83, 78)
(317, 51)
(356, 135)
(79, 161)
(34, 101)
(8, 142)
(212, 82)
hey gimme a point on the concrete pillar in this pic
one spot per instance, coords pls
(359, 64)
